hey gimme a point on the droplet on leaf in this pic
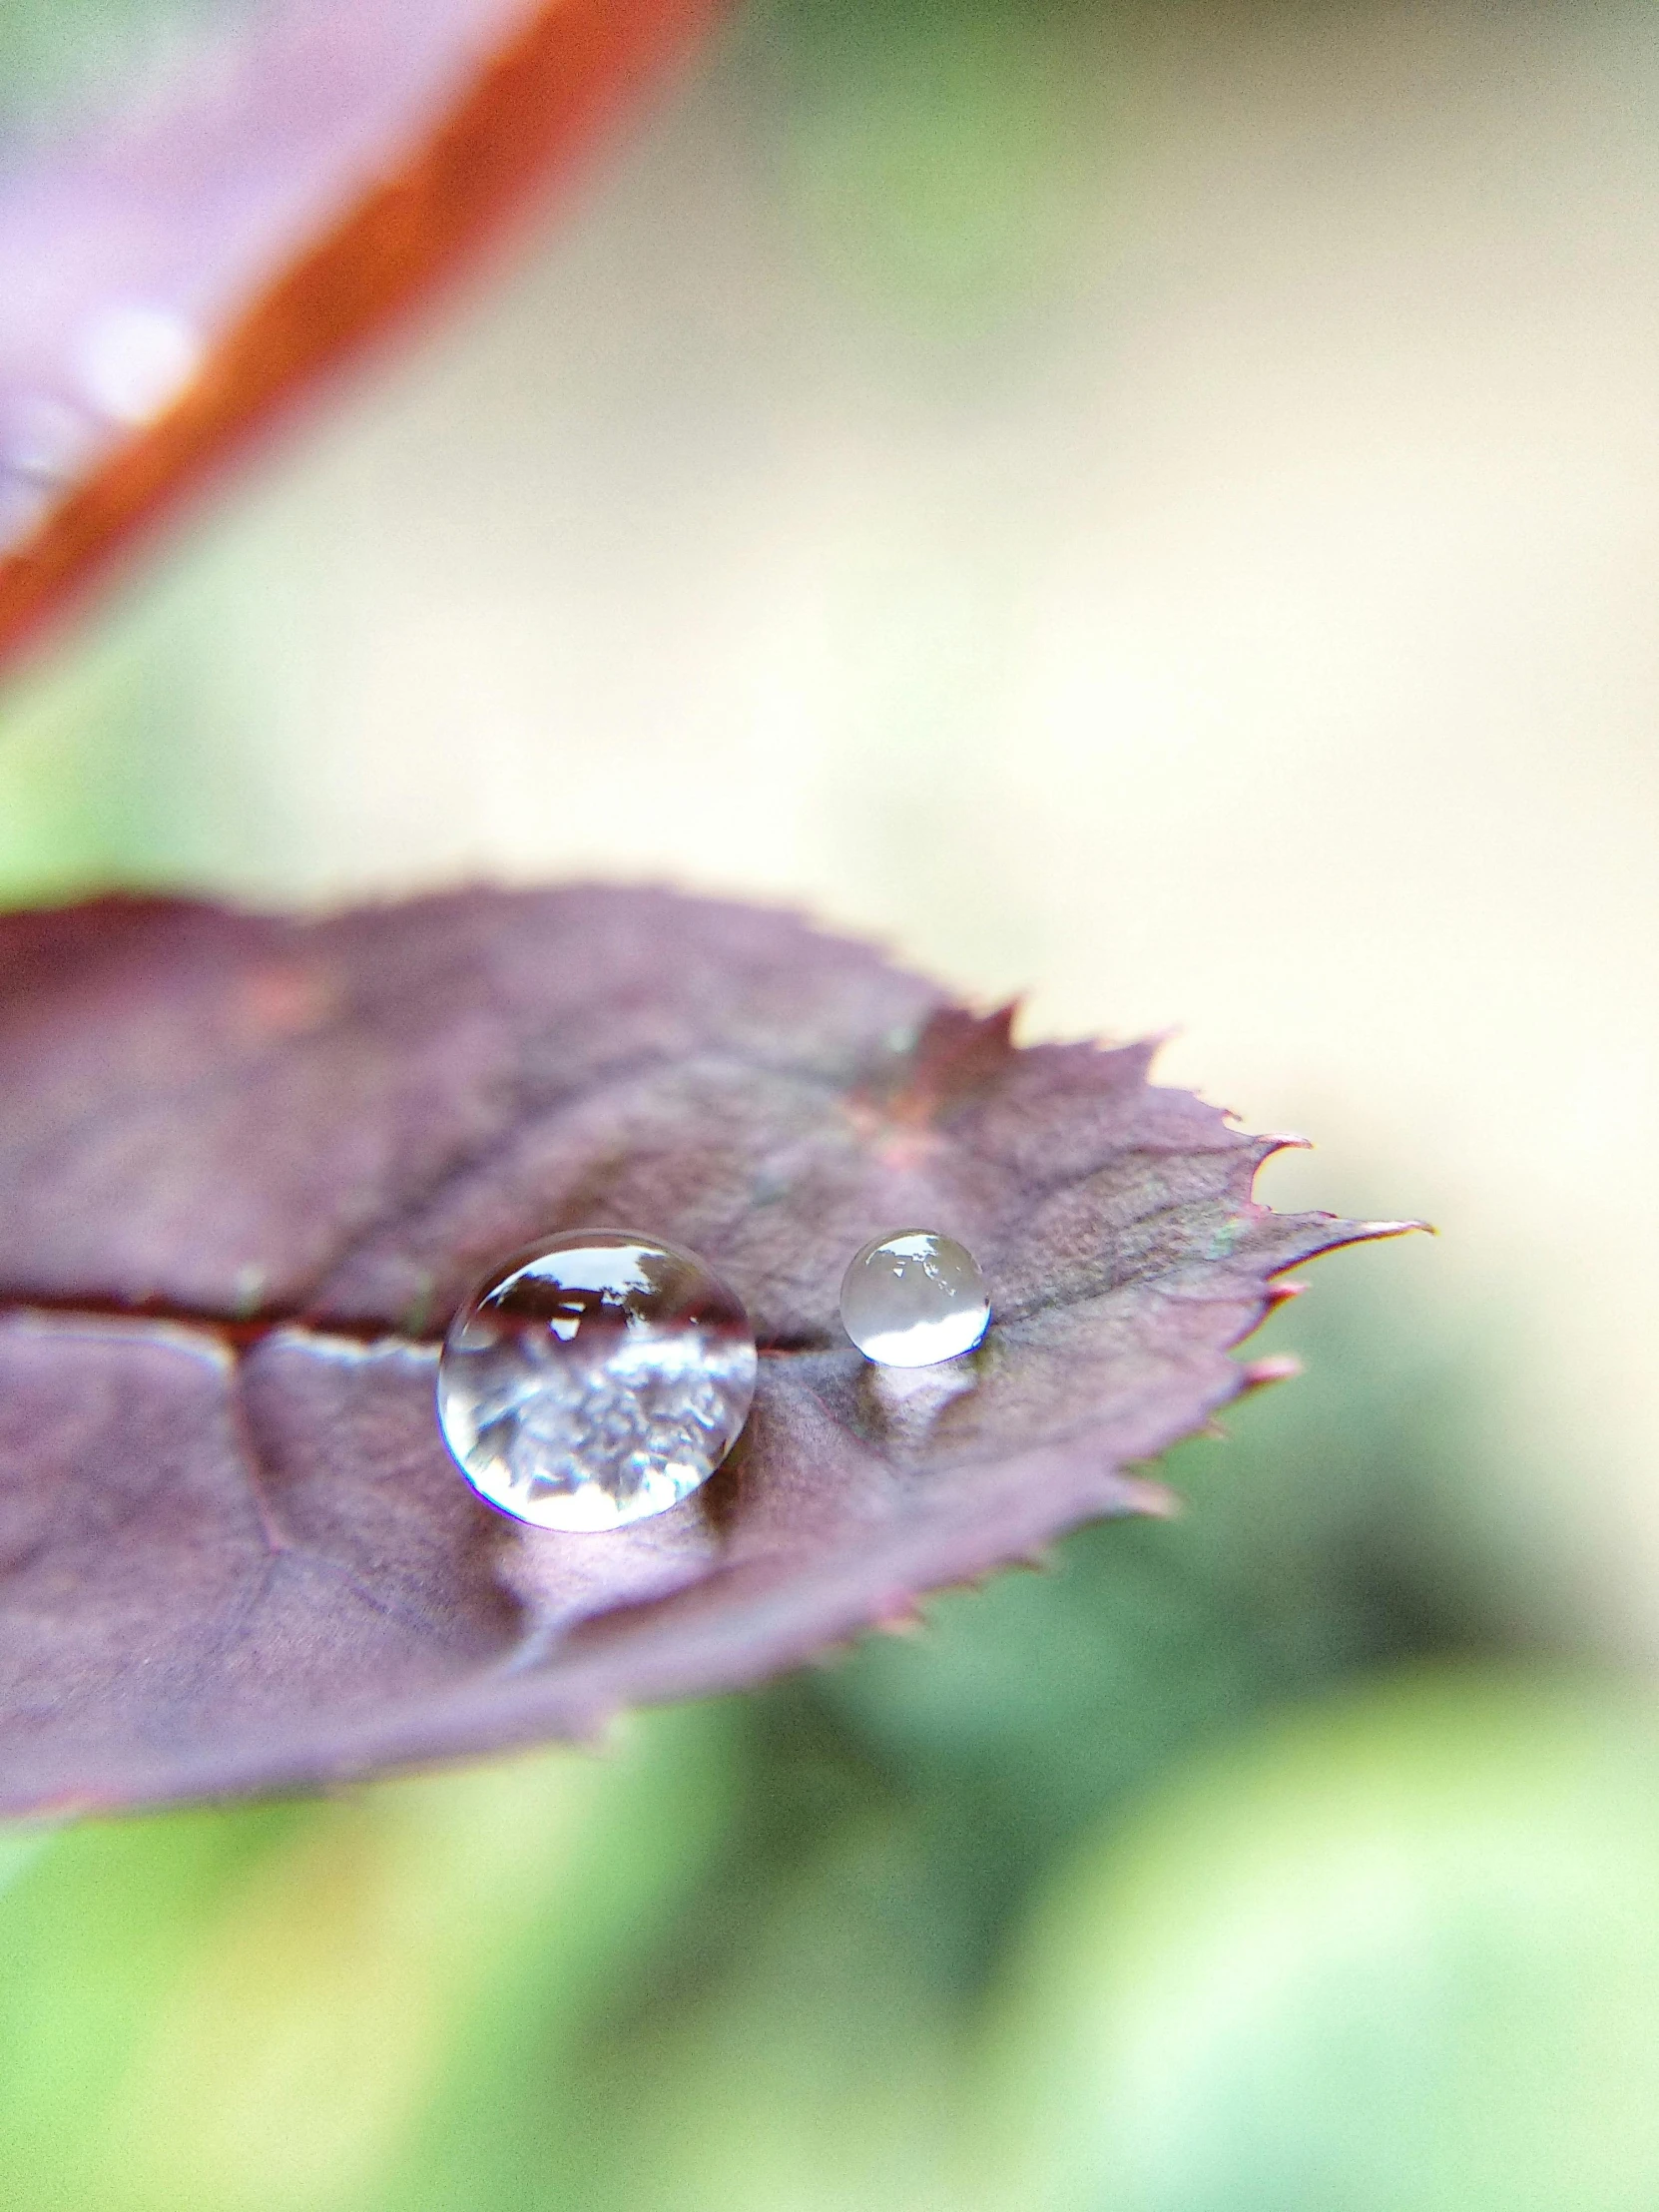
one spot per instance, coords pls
(250, 1161)
(912, 1298)
(595, 1380)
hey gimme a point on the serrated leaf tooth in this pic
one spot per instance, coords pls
(1274, 1366)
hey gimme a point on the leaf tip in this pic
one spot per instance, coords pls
(1156, 1501)
(907, 1619)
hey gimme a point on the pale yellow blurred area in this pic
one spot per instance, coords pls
(1252, 634)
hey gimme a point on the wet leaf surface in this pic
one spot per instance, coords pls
(195, 252)
(249, 1166)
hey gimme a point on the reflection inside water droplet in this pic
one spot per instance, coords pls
(595, 1380)
(912, 1298)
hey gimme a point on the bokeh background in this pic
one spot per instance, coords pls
(1154, 507)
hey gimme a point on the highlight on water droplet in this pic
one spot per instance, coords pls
(595, 1379)
(912, 1298)
(132, 360)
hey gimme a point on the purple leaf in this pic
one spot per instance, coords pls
(249, 1167)
(177, 269)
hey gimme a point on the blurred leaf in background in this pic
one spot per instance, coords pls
(372, 2001)
(105, 773)
(1399, 1951)
(112, 773)
(58, 54)
(941, 155)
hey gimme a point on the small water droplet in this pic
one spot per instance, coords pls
(913, 1298)
(595, 1379)
(135, 359)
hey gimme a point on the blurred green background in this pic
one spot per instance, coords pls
(1150, 505)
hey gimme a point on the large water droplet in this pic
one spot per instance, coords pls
(913, 1298)
(596, 1378)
